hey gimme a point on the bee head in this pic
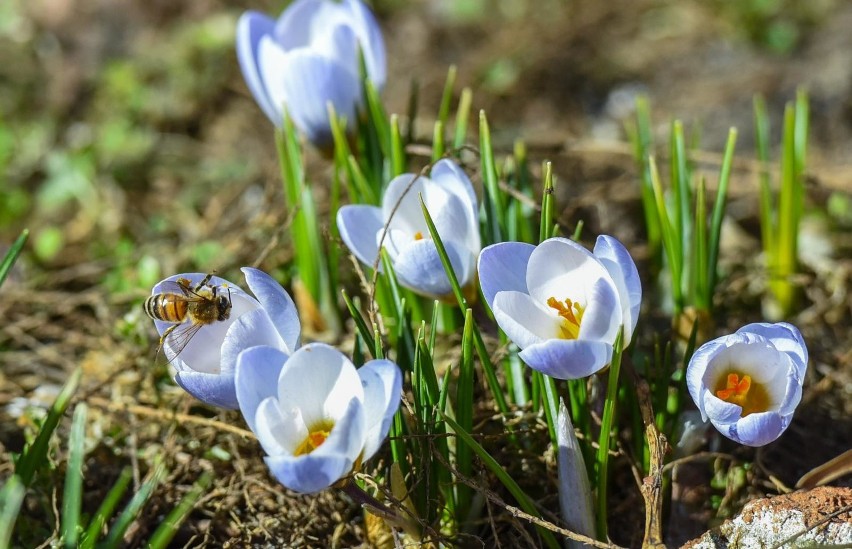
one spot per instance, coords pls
(223, 304)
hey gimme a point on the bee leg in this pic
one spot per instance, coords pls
(163, 337)
(204, 282)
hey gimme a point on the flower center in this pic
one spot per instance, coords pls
(751, 397)
(571, 313)
(418, 236)
(316, 436)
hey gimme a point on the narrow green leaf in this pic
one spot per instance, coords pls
(767, 209)
(719, 210)
(546, 203)
(396, 147)
(462, 117)
(12, 255)
(34, 456)
(378, 118)
(464, 412)
(438, 146)
(643, 147)
(169, 527)
(497, 470)
(703, 291)
(108, 505)
(413, 104)
(11, 498)
(360, 323)
(494, 204)
(73, 493)
(132, 509)
(606, 437)
(447, 96)
(669, 238)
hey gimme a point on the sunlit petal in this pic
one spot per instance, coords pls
(256, 379)
(503, 267)
(567, 358)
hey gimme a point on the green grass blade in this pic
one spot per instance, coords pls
(669, 238)
(12, 255)
(378, 119)
(767, 208)
(546, 203)
(643, 149)
(703, 291)
(497, 470)
(169, 527)
(464, 413)
(481, 351)
(104, 512)
(413, 105)
(11, 497)
(447, 96)
(462, 117)
(494, 203)
(438, 146)
(606, 438)
(396, 147)
(132, 510)
(360, 323)
(34, 456)
(719, 210)
(73, 493)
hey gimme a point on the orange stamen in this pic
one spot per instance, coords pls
(751, 397)
(418, 236)
(572, 314)
(314, 440)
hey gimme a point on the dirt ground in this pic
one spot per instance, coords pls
(137, 142)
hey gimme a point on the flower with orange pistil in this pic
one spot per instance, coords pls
(749, 383)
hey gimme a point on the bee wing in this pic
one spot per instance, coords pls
(177, 338)
(183, 287)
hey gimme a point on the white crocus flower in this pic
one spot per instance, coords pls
(561, 304)
(749, 383)
(316, 416)
(451, 202)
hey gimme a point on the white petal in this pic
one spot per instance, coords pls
(575, 494)
(249, 330)
(618, 262)
(372, 44)
(278, 305)
(256, 379)
(251, 27)
(320, 381)
(448, 175)
(602, 317)
(567, 358)
(279, 430)
(382, 382)
(503, 267)
(784, 337)
(401, 203)
(697, 370)
(757, 429)
(562, 269)
(358, 226)
(303, 19)
(419, 267)
(523, 319)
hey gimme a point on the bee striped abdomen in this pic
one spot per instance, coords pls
(166, 307)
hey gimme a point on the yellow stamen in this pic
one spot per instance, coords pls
(316, 437)
(752, 397)
(571, 313)
(418, 236)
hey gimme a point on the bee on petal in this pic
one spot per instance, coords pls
(189, 309)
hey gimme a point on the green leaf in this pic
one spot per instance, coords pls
(104, 512)
(462, 116)
(131, 511)
(464, 412)
(607, 437)
(11, 498)
(719, 209)
(12, 255)
(73, 493)
(169, 527)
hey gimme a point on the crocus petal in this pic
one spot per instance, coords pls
(319, 380)
(448, 175)
(248, 330)
(213, 389)
(617, 261)
(523, 319)
(256, 379)
(720, 412)
(756, 429)
(419, 267)
(561, 268)
(567, 358)
(602, 317)
(575, 494)
(306, 82)
(304, 18)
(400, 202)
(278, 305)
(503, 267)
(784, 337)
(372, 43)
(358, 226)
(382, 382)
(279, 430)
(251, 27)
(697, 369)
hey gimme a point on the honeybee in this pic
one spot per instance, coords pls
(189, 309)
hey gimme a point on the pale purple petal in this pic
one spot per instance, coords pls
(249, 330)
(719, 411)
(358, 226)
(567, 358)
(372, 43)
(503, 267)
(278, 305)
(303, 19)
(697, 369)
(418, 267)
(756, 429)
(256, 379)
(213, 389)
(786, 338)
(618, 262)
(447, 174)
(401, 200)
(251, 27)
(382, 382)
(602, 317)
(524, 320)
(279, 430)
